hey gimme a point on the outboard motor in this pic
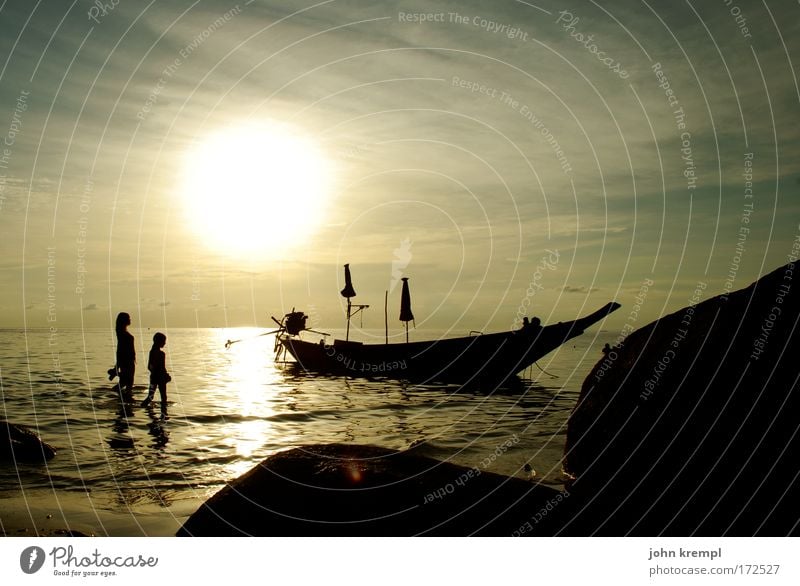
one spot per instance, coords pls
(295, 322)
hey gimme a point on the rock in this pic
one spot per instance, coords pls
(20, 444)
(69, 533)
(690, 427)
(350, 490)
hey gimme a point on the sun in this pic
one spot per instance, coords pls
(255, 189)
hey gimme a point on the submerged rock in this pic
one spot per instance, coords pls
(70, 533)
(690, 426)
(20, 444)
(350, 490)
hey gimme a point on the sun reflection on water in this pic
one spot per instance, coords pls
(232, 408)
(250, 386)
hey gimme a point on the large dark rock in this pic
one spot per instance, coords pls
(351, 490)
(20, 444)
(691, 425)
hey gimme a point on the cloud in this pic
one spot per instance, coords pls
(581, 289)
(449, 134)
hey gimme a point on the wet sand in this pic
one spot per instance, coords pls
(47, 513)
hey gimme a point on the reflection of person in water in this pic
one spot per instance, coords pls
(159, 377)
(157, 429)
(126, 354)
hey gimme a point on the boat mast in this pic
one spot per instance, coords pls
(347, 334)
(386, 316)
(349, 292)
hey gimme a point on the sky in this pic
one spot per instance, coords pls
(215, 163)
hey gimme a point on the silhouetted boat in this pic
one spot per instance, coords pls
(495, 356)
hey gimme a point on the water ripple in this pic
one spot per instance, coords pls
(229, 409)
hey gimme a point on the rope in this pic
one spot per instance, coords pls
(544, 371)
(230, 343)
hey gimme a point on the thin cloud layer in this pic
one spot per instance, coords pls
(484, 134)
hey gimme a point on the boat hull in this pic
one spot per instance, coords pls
(495, 356)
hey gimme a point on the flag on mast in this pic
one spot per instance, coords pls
(348, 290)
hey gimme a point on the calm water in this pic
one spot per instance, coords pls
(231, 408)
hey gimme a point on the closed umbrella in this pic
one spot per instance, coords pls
(406, 314)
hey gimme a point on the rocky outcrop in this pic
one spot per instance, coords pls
(348, 490)
(20, 444)
(690, 426)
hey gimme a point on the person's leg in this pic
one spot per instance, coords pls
(162, 389)
(123, 387)
(150, 392)
(126, 373)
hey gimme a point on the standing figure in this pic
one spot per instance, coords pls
(159, 377)
(126, 354)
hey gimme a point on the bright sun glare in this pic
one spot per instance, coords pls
(255, 189)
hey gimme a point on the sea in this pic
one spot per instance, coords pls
(230, 406)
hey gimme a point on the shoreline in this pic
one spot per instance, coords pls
(48, 513)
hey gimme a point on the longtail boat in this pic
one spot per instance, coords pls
(495, 356)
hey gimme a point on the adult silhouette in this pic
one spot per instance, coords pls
(126, 354)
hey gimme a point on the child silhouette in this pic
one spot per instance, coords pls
(159, 377)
